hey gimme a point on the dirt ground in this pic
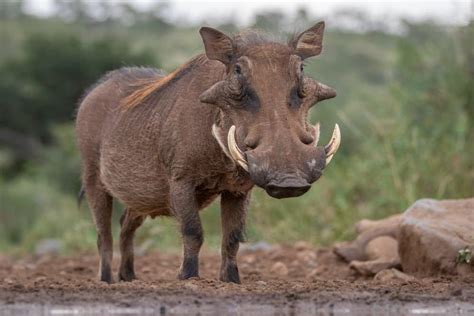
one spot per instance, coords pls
(281, 277)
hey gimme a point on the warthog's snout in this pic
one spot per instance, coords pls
(291, 187)
(284, 170)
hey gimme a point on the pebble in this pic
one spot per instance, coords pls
(393, 274)
(279, 268)
(48, 246)
(8, 281)
(302, 245)
(191, 286)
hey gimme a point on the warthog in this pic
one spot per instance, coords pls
(225, 121)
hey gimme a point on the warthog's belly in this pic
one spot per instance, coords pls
(138, 183)
(145, 188)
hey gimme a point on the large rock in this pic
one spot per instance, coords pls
(382, 253)
(375, 248)
(432, 233)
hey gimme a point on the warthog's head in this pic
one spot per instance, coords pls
(264, 101)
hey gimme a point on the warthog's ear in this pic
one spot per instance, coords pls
(310, 42)
(218, 45)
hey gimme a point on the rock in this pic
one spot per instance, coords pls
(431, 235)
(383, 247)
(48, 246)
(307, 257)
(250, 259)
(302, 245)
(372, 267)
(381, 253)
(8, 281)
(367, 224)
(261, 283)
(258, 246)
(393, 274)
(279, 268)
(349, 251)
(368, 230)
(191, 286)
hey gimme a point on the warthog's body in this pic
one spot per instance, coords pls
(137, 150)
(145, 139)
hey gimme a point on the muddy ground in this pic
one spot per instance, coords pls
(283, 278)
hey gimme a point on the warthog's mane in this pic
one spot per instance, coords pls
(142, 89)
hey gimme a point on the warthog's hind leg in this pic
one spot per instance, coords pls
(129, 224)
(233, 212)
(100, 203)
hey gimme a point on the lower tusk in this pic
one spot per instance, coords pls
(234, 149)
(333, 145)
(328, 159)
(316, 128)
(216, 134)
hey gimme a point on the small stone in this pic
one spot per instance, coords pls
(315, 272)
(302, 245)
(372, 267)
(40, 279)
(48, 246)
(8, 281)
(279, 268)
(258, 246)
(307, 256)
(249, 259)
(191, 286)
(261, 283)
(393, 274)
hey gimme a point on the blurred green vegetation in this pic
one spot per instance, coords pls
(405, 105)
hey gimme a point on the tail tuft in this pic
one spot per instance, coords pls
(80, 196)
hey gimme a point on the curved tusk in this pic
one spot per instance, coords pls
(216, 134)
(316, 128)
(234, 149)
(333, 145)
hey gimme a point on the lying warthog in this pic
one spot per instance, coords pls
(223, 122)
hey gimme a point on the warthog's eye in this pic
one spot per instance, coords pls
(295, 97)
(238, 69)
(301, 67)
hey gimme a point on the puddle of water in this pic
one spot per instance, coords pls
(300, 308)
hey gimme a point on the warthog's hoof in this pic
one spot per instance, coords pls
(126, 276)
(189, 269)
(106, 276)
(230, 273)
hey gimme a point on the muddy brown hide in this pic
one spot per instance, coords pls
(166, 144)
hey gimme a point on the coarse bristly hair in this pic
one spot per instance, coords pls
(146, 87)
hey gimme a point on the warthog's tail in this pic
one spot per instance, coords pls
(80, 196)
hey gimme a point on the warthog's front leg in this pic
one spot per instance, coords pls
(186, 211)
(233, 212)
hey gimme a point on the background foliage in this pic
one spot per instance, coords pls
(405, 105)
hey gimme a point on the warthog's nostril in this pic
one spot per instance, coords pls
(250, 144)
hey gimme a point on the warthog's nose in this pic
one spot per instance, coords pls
(288, 188)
